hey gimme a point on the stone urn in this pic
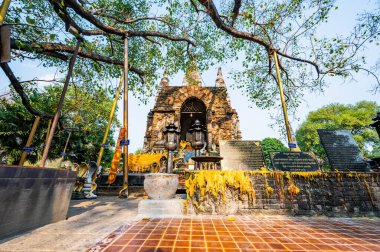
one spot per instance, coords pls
(161, 185)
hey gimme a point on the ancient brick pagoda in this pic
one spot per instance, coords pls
(184, 104)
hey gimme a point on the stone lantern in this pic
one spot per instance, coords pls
(198, 133)
(171, 134)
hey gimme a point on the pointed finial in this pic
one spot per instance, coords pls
(219, 79)
(220, 72)
(192, 75)
(165, 80)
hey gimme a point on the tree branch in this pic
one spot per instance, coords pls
(214, 14)
(129, 21)
(53, 49)
(235, 11)
(86, 14)
(20, 90)
(64, 15)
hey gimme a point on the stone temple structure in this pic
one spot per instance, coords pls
(184, 104)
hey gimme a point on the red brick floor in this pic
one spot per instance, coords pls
(260, 233)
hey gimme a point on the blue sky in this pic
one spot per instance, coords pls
(254, 122)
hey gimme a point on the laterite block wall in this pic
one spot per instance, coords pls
(331, 194)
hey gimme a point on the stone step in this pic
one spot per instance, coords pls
(171, 208)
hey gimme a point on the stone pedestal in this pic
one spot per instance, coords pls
(169, 208)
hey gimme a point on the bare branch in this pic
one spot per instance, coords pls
(129, 21)
(369, 72)
(86, 14)
(38, 80)
(213, 13)
(235, 11)
(62, 13)
(53, 49)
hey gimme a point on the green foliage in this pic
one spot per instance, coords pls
(36, 23)
(305, 55)
(83, 110)
(139, 151)
(338, 116)
(289, 26)
(271, 144)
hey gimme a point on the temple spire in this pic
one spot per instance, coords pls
(219, 79)
(164, 80)
(192, 75)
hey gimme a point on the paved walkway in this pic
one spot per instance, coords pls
(89, 221)
(111, 224)
(261, 233)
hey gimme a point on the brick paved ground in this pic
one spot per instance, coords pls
(260, 233)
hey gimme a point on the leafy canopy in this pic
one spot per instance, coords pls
(162, 34)
(254, 29)
(160, 37)
(85, 113)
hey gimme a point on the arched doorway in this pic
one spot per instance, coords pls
(192, 109)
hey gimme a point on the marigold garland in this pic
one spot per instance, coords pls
(215, 183)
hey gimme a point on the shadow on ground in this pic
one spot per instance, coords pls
(88, 222)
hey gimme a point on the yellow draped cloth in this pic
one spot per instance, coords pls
(144, 162)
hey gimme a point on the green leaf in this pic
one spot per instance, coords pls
(30, 21)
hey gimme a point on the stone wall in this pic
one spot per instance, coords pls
(32, 197)
(331, 194)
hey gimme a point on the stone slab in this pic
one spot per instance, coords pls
(342, 150)
(241, 155)
(171, 208)
(293, 161)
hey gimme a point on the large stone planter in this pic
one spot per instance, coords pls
(31, 197)
(161, 185)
